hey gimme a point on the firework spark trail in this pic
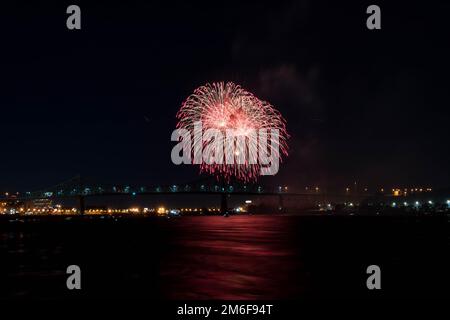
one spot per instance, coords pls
(230, 107)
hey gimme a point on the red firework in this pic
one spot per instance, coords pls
(230, 108)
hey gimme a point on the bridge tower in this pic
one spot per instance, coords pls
(82, 206)
(223, 203)
(79, 183)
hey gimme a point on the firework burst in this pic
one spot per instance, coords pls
(226, 107)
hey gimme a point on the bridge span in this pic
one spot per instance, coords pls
(79, 189)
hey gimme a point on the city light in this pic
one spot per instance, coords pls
(45, 206)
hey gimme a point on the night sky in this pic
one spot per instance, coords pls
(361, 105)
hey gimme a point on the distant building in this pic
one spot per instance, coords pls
(38, 204)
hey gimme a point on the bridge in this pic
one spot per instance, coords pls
(78, 188)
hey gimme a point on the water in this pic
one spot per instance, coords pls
(239, 257)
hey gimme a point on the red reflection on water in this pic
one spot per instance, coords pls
(240, 257)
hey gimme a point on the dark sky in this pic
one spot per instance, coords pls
(366, 106)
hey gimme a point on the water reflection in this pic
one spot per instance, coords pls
(239, 257)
